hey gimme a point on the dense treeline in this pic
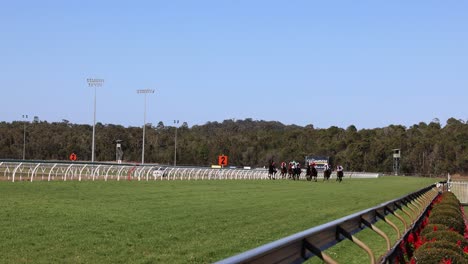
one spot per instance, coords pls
(427, 149)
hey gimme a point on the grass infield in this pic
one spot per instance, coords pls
(177, 221)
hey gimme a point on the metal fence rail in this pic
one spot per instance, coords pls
(299, 247)
(66, 171)
(460, 189)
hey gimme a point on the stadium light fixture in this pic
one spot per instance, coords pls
(145, 92)
(92, 82)
(176, 122)
(25, 117)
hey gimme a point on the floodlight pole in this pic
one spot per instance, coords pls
(24, 136)
(94, 83)
(146, 91)
(396, 161)
(176, 122)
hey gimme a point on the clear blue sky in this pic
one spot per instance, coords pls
(366, 63)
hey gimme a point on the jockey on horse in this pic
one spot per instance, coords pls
(284, 169)
(297, 171)
(291, 168)
(313, 171)
(326, 172)
(339, 173)
(308, 172)
(272, 170)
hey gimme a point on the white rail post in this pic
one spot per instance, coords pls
(14, 171)
(51, 170)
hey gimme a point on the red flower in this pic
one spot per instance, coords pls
(424, 223)
(402, 247)
(411, 238)
(435, 228)
(459, 242)
(412, 261)
(447, 261)
(465, 249)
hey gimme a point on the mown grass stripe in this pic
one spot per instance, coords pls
(174, 221)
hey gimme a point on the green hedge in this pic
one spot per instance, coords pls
(430, 228)
(452, 221)
(437, 255)
(446, 207)
(447, 242)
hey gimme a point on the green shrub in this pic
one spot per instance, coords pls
(448, 235)
(454, 205)
(449, 195)
(455, 222)
(447, 211)
(430, 228)
(443, 207)
(448, 201)
(442, 244)
(436, 255)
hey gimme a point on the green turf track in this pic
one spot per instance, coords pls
(176, 221)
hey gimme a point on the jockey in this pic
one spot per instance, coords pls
(339, 173)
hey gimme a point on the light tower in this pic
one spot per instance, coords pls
(145, 92)
(118, 151)
(396, 161)
(25, 117)
(92, 82)
(176, 123)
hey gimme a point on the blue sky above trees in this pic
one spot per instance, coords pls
(330, 63)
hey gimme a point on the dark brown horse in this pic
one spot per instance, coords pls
(326, 174)
(291, 171)
(284, 170)
(313, 172)
(297, 172)
(271, 170)
(308, 172)
(339, 173)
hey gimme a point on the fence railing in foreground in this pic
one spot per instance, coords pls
(50, 171)
(300, 247)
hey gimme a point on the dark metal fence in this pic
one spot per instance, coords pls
(300, 247)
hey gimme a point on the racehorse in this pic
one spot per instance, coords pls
(291, 171)
(284, 170)
(313, 172)
(297, 171)
(308, 172)
(271, 170)
(339, 173)
(326, 174)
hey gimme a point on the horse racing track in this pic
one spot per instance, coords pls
(177, 221)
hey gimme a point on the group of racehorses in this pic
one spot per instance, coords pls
(293, 171)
